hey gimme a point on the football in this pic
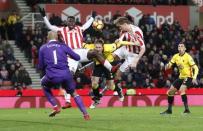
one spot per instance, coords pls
(98, 25)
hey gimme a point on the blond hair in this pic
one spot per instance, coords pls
(52, 35)
(121, 21)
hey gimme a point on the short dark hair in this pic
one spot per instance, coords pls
(99, 41)
(182, 43)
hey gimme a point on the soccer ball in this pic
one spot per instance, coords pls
(98, 25)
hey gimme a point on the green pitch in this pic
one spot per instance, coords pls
(102, 119)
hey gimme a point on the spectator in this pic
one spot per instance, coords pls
(17, 64)
(9, 55)
(148, 83)
(4, 75)
(11, 71)
(13, 18)
(34, 55)
(24, 78)
(3, 28)
(55, 20)
(2, 58)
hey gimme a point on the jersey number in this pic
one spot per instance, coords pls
(55, 57)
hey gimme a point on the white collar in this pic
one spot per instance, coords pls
(52, 40)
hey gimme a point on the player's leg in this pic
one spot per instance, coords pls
(123, 68)
(48, 93)
(183, 88)
(72, 67)
(171, 92)
(99, 56)
(95, 91)
(69, 86)
(80, 105)
(111, 84)
(67, 98)
(118, 87)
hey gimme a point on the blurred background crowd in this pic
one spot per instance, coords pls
(141, 2)
(161, 43)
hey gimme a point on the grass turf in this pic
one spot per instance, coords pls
(102, 119)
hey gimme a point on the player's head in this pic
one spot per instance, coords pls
(52, 35)
(122, 23)
(71, 22)
(181, 48)
(99, 45)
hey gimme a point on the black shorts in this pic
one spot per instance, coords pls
(101, 71)
(178, 82)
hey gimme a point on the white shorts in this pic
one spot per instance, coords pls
(129, 57)
(73, 65)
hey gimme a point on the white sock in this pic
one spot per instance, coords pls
(67, 97)
(107, 65)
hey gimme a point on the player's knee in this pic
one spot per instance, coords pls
(182, 92)
(111, 87)
(95, 85)
(171, 92)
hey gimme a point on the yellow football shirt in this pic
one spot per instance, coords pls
(184, 64)
(108, 49)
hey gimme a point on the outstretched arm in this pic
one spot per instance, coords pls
(51, 27)
(71, 53)
(89, 22)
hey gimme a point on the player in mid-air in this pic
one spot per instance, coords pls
(133, 52)
(101, 72)
(53, 61)
(188, 72)
(72, 35)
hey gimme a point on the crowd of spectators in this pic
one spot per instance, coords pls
(161, 43)
(12, 73)
(139, 2)
(33, 3)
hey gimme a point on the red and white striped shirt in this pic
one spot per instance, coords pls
(137, 35)
(73, 38)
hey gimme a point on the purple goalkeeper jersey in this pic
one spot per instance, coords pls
(53, 58)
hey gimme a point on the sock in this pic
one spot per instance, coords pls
(80, 104)
(184, 99)
(107, 65)
(49, 95)
(170, 102)
(118, 89)
(67, 97)
(96, 93)
(103, 90)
